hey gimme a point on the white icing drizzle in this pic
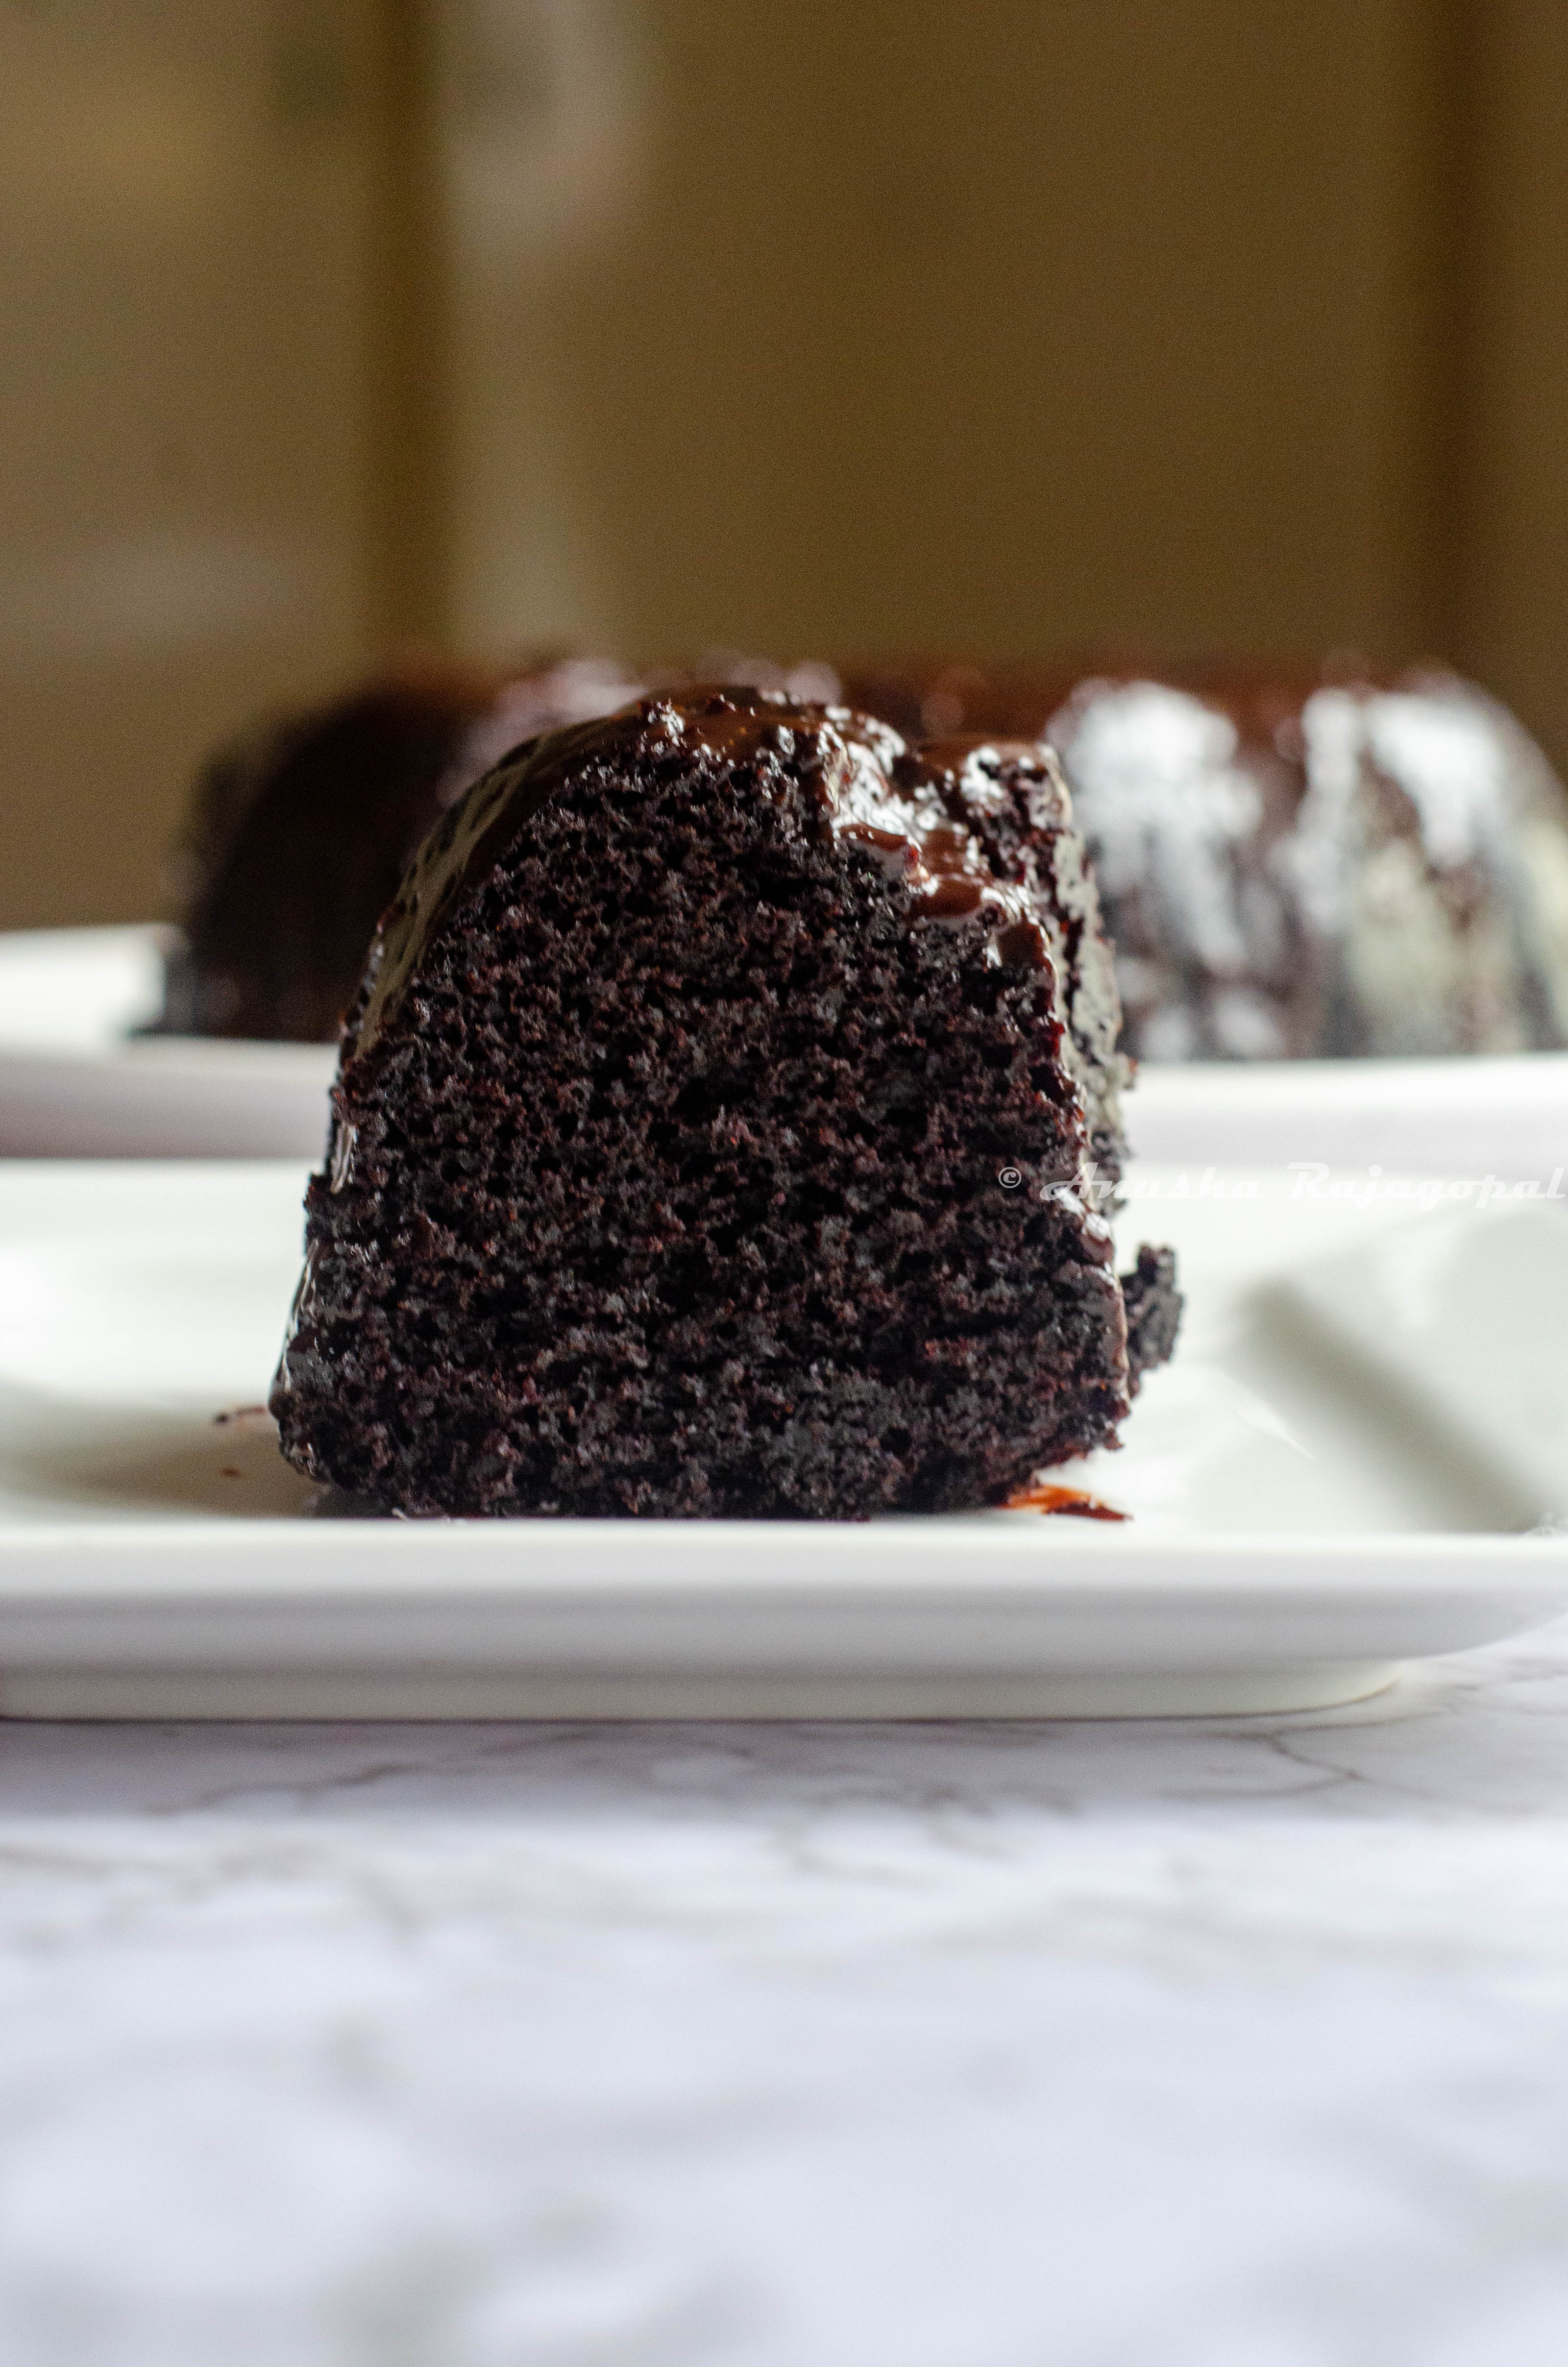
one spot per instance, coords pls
(1439, 746)
(1160, 795)
(1427, 969)
(1426, 862)
(1443, 752)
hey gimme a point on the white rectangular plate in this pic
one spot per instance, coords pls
(1297, 1532)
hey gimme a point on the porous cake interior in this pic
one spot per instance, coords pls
(693, 1167)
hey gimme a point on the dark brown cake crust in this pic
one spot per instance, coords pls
(710, 1134)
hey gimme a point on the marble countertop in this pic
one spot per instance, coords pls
(1239, 2043)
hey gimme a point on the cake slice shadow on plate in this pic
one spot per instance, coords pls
(337, 1504)
(75, 1454)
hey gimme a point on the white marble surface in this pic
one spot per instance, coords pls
(1239, 2045)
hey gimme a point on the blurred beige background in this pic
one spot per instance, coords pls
(336, 326)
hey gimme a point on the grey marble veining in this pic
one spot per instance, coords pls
(1233, 2044)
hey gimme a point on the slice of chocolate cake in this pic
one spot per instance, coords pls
(713, 1133)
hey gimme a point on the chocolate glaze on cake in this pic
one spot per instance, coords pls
(712, 1137)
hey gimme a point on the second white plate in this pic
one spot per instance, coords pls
(75, 1081)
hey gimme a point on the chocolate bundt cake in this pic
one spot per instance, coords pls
(300, 828)
(1323, 869)
(714, 1135)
